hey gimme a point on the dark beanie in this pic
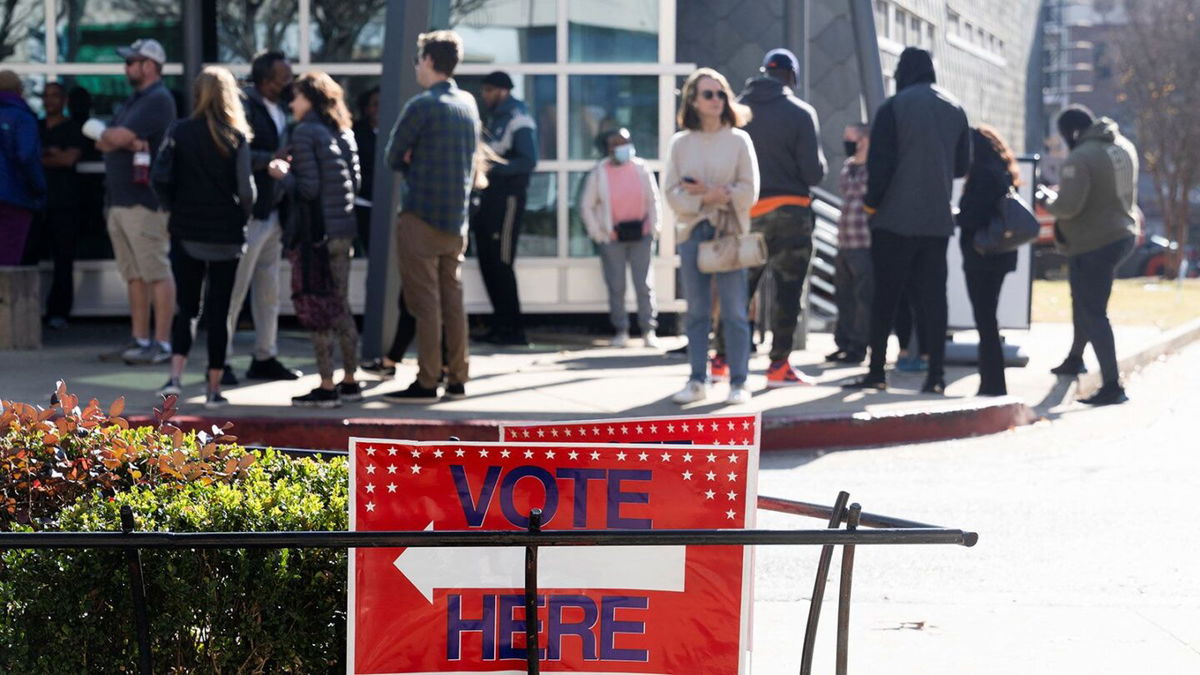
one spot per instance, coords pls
(1073, 120)
(915, 66)
(499, 79)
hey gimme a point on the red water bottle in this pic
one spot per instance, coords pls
(141, 167)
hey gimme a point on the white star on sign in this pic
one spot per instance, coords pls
(685, 426)
(621, 456)
(370, 468)
(573, 455)
(709, 494)
(610, 431)
(654, 428)
(438, 454)
(729, 425)
(391, 487)
(624, 429)
(541, 433)
(505, 454)
(371, 451)
(370, 487)
(716, 442)
(549, 454)
(666, 457)
(731, 494)
(670, 428)
(392, 452)
(733, 458)
(416, 468)
(595, 455)
(567, 431)
(712, 457)
(528, 454)
(687, 456)
(710, 475)
(595, 431)
(745, 425)
(370, 506)
(459, 452)
(643, 456)
(687, 475)
(391, 468)
(483, 452)
(554, 433)
(714, 426)
(416, 454)
(730, 514)
(638, 428)
(525, 433)
(732, 475)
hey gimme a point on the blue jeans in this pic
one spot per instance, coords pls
(732, 289)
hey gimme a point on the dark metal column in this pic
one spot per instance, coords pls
(405, 20)
(866, 44)
(193, 49)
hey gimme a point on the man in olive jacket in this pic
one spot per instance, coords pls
(1097, 224)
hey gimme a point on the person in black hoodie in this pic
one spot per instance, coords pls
(203, 176)
(787, 143)
(993, 173)
(920, 143)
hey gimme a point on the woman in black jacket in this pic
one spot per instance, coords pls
(993, 173)
(323, 177)
(203, 176)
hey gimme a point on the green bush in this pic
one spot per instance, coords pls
(211, 610)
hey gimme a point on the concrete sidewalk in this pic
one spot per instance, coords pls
(569, 377)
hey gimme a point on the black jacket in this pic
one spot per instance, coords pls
(920, 143)
(210, 195)
(786, 139)
(988, 181)
(263, 147)
(325, 168)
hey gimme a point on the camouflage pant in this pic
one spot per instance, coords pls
(788, 231)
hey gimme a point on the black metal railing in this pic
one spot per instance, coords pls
(891, 531)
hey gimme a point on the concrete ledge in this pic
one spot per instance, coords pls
(1171, 342)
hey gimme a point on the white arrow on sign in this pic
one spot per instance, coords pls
(647, 568)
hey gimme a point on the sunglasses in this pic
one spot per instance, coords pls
(130, 62)
(710, 94)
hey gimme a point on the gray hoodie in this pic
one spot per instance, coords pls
(786, 139)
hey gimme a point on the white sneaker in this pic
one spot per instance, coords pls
(621, 339)
(650, 339)
(694, 391)
(738, 396)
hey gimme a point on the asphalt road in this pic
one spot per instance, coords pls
(1088, 556)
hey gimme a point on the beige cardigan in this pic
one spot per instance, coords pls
(596, 211)
(724, 157)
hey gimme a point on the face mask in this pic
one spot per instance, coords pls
(851, 147)
(1073, 140)
(623, 153)
(287, 94)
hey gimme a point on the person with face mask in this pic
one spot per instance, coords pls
(265, 102)
(1095, 206)
(63, 145)
(621, 211)
(853, 279)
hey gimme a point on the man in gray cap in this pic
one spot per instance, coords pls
(137, 224)
(787, 143)
(512, 134)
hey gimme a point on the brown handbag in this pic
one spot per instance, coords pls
(730, 250)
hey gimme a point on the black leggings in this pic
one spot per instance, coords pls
(916, 265)
(190, 276)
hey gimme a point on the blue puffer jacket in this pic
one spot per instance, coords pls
(22, 182)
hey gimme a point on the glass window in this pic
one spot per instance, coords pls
(244, 29)
(898, 27)
(24, 37)
(506, 31)
(601, 102)
(347, 31)
(614, 31)
(539, 228)
(91, 31)
(110, 91)
(538, 93)
(579, 244)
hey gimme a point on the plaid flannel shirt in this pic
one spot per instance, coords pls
(853, 229)
(441, 128)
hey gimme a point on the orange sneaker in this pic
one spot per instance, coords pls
(718, 369)
(781, 374)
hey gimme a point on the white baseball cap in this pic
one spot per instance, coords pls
(146, 48)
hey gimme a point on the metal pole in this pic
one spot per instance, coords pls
(866, 46)
(138, 589)
(193, 48)
(531, 621)
(821, 511)
(847, 579)
(814, 607)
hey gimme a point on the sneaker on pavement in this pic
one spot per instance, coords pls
(737, 395)
(621, 339)
(875, 382)
(349, 391)
(836, 357)
(414, 394)
(118, 354)
(271, 369)
(915, 364)
(1107, 395)
(1070, 366)
(782, 374)
(650, 340)
(228, 379)
(934, 387)
(455, 392)
(693, 392)
(152, 354)
(318, 398)
(718, 369)
(378, 368)
(171, 388)
(214, 400)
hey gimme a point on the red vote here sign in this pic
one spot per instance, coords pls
(601, 609)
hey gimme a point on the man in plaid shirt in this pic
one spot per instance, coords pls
(853, 273)
(433, 144)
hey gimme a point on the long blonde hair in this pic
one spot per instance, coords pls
(218, 102)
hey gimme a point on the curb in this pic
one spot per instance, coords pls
(799, 432)
(1171, 342)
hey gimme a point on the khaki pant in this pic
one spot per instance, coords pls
(140, 243)
(431, 276)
